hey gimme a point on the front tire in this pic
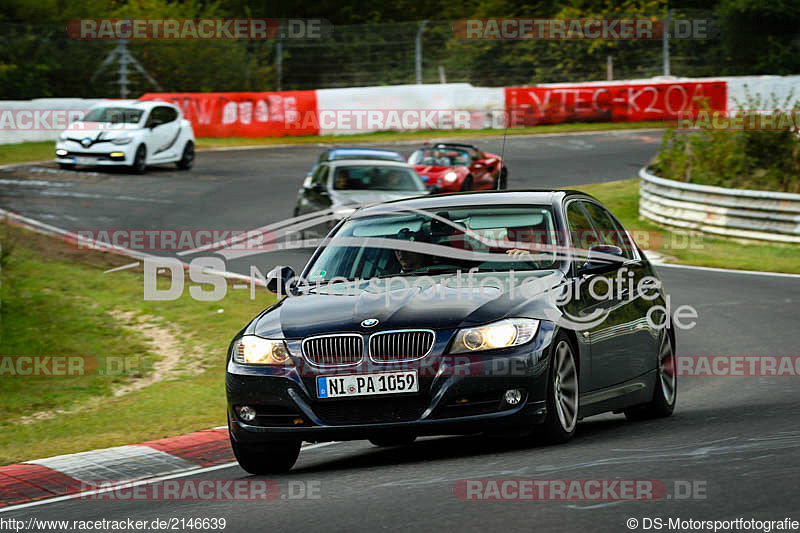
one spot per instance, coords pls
(502, 180)
(187, 159)
(665, 395)
(271, 458)
(563, 392)
(139, 165)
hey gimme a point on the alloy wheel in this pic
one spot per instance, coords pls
(565, 386)
(666, 371)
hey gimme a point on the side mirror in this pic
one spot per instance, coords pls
(307, 181)
(435, 189)
(279, 279)
(601, 258)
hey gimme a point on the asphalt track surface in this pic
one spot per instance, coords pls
(736, 439)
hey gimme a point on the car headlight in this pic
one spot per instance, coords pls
(122, 140)
(450, 177)
(252, 350)
(502, 334)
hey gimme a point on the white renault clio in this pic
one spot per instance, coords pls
(128, 133)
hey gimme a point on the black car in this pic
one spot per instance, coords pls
(453, 314)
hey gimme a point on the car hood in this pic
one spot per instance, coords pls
(433, 170)
(80, 130)
(439, 303)
(373, 196)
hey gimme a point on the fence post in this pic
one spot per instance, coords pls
(418, 47)
(279, 62)
(665, 42)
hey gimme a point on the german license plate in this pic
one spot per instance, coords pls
(367, 384)
(85, 161)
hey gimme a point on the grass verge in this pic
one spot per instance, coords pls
(39, 151)
(691, 248)
(57, 301)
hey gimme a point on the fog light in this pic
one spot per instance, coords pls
(247, 413)
(513, 396)
(117, 154)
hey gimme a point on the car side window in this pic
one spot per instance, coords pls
(608, 230)
(155, 117)
(170, 114)
(161, 115)
(580, 228)
(320, 175)
(582, 234)
(152, 118)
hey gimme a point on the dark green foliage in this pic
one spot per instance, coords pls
(374, 44)
(764, 159)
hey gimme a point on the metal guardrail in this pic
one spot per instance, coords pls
(747, 214)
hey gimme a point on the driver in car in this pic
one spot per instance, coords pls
(342, 179)
(441, 158)
(437, 158)
(412, 261)
(533, 235)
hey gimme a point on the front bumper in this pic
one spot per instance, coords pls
(445, 186)
(72, 153)
(458, 395)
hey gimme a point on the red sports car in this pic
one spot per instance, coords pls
(451, 167)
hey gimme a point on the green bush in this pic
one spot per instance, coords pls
(742, 158)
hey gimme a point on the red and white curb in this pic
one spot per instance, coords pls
(67, 474)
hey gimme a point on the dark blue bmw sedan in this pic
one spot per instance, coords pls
(453, 314)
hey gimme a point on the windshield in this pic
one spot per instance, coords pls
(377, 156)
(114, 115)
(450, 240)
(445, 157)
(389, 178)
